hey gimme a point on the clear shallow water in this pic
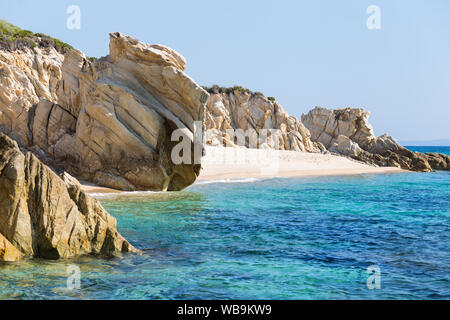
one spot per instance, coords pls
(269, 239)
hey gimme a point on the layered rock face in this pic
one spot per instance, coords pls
(227, 112)
(45, 216)
(348, 132)
(109, 120)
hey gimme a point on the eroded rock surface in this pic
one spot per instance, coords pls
(45, 216)
(348, 132)
(249, 111)
(7, 251)
(106, 120)
(437, 161)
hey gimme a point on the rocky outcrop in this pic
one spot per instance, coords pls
(45, 216)
(348, 132)
(437, 161)
(7, 251)
(238, 109)
(107, 120)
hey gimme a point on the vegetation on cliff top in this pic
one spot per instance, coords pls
(12, 38)
(217, 89)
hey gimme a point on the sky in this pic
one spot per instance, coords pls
(303, 53)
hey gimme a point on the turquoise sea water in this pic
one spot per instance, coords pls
(290, 238)
(444, 150)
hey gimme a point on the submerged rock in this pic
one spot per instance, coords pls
(107, 120)
(44, 216)
(348, 132)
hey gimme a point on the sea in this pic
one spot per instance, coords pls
(383, 236)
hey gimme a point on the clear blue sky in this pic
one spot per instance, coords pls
(304, 53)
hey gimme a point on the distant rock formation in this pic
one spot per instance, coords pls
(44, 216)
(348, 132)
(241, 109)
(107, 120)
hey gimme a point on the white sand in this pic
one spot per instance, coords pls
(233, 164)
(91, 188)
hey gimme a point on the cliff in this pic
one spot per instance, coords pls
(107, 120)
(110, 120)
(349, 133)
(45, 216)
(237, 108)
(342, 131)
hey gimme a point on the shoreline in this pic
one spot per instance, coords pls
(302, 174)
(91, 188)
(242, 163)
(239, 163)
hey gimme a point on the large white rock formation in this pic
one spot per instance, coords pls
(108, 120)
(237, 109)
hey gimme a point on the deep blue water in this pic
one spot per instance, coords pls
(293, 238)
(444, 150)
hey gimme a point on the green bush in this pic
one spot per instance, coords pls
(10, 33)
(31, 43)
(215, 89)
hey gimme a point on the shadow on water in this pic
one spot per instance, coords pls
(181, 201)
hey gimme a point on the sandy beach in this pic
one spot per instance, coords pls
(233, 164)
(91, 188)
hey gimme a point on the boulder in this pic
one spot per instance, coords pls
(45, 216)
(437, 161)
(107, 120)
(345, 146)
(327, 125)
